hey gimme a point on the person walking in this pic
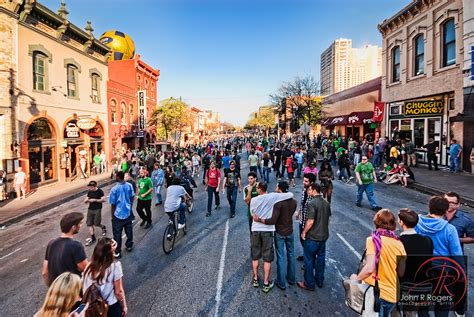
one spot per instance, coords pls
(20, 181)
(213, 180)
(455, 154)
(158, 179)
(250, 191)
(261, 240)
(326, 176)
(64, 254)
(410, 152)
(315, 234)
(282, 218)
(366, 178)
(145, 189)
(232, 181)
(121, 201)
(302, 215)
(95, 197)
(299, 157)
(107, 275)
(431, 150)
(3, 186)
(253, 161)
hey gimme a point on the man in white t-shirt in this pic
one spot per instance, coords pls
(196, 162)
(20, 180)
(174, 201)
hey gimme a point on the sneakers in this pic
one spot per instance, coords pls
(217, 207)
(90, 241)
(376, 208)
(129, 249)
(118, 255)
(142, 223)
(148, 225)
(104, 231)
(232, 215)
(208, 214)
(181, 226)
(255, 283)
(358, 204)
(268, 287)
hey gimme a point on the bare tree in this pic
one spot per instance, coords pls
(300, 100)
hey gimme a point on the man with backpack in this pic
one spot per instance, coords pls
(232, 181)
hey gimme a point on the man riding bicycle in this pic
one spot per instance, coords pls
(186, 181)
(174, 201)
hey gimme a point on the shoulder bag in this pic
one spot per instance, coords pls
(355, 291)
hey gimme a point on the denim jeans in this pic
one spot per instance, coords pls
(282, 242)
(266, 174)
(385, 308)
(454, 162)
(356, 158)
(159, 199)
(300, 167)
(118, 225)
(314, 260)
(182, 213)
(212, 191)
(369, 191)
(232, 198)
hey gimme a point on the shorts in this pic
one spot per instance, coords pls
(291, 175)
(262, 246)
(94, 217)
(19, 187)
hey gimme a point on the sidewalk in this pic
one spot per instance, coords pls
(442, 181)
(47, 197)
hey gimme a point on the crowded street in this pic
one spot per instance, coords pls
(209, 272)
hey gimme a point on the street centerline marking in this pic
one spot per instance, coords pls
(220, 277)
(7, 255)
(349, 246)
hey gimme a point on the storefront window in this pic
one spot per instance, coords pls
(41, 152)
(434, 129)
(39, 129)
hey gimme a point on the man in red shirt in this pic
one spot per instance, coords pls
(213, 180)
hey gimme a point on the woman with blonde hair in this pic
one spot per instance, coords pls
(62, 296)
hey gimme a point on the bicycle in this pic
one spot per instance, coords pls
(190, 204)
(172, 232)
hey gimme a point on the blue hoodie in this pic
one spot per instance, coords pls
(444, 235)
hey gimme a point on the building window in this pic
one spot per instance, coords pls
(146, 84)
(139, 82)
(95, 88)
(71, 81)
(123, 112)
(419, 43)
(113, 110)
(131, 112)
(152, 91)
(396, 64)
(449, 43)
(39, 71)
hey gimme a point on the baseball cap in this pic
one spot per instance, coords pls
(92, 183)
(283, 185)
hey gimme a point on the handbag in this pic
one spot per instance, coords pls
(355, 291)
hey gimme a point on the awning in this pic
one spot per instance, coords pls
(338, 120)
(360, 117)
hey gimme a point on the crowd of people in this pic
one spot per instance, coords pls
(143, 175)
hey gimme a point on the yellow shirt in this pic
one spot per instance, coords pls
(393, 152)
(391, 248)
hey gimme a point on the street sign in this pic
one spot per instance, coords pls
(141, 110)
(305, 128)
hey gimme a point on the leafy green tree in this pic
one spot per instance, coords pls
(170, 116)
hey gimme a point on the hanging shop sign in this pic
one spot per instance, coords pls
(96, 132)
(141, 110)
(423, 108)
(378, 111)
(86, 123)
(71, 131)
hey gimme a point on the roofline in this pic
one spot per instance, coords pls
(407, 8)
(362, 89)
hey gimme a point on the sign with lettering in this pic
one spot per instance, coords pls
(420, 108)
(378, 111)
(86, 123)
(72, 130)
(141, 110)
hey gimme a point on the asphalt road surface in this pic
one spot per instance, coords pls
(209, 272)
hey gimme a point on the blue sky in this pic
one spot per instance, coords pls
(229, 55)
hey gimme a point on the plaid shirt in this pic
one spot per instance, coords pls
(158, 177)
(305, 199)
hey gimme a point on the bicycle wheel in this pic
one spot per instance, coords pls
(190, 205)
(168, 239)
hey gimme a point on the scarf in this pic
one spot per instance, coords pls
(377, 240)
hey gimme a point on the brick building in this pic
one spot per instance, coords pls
(53, 93)
(126, 79)
(422, 79)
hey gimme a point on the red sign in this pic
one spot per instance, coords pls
(378, 111)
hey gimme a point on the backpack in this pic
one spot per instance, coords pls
(294, 163)
(98, 307)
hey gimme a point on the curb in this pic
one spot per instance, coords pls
(434, 191)
(35, 211)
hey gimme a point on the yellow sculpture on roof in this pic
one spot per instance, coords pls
(120, 44)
